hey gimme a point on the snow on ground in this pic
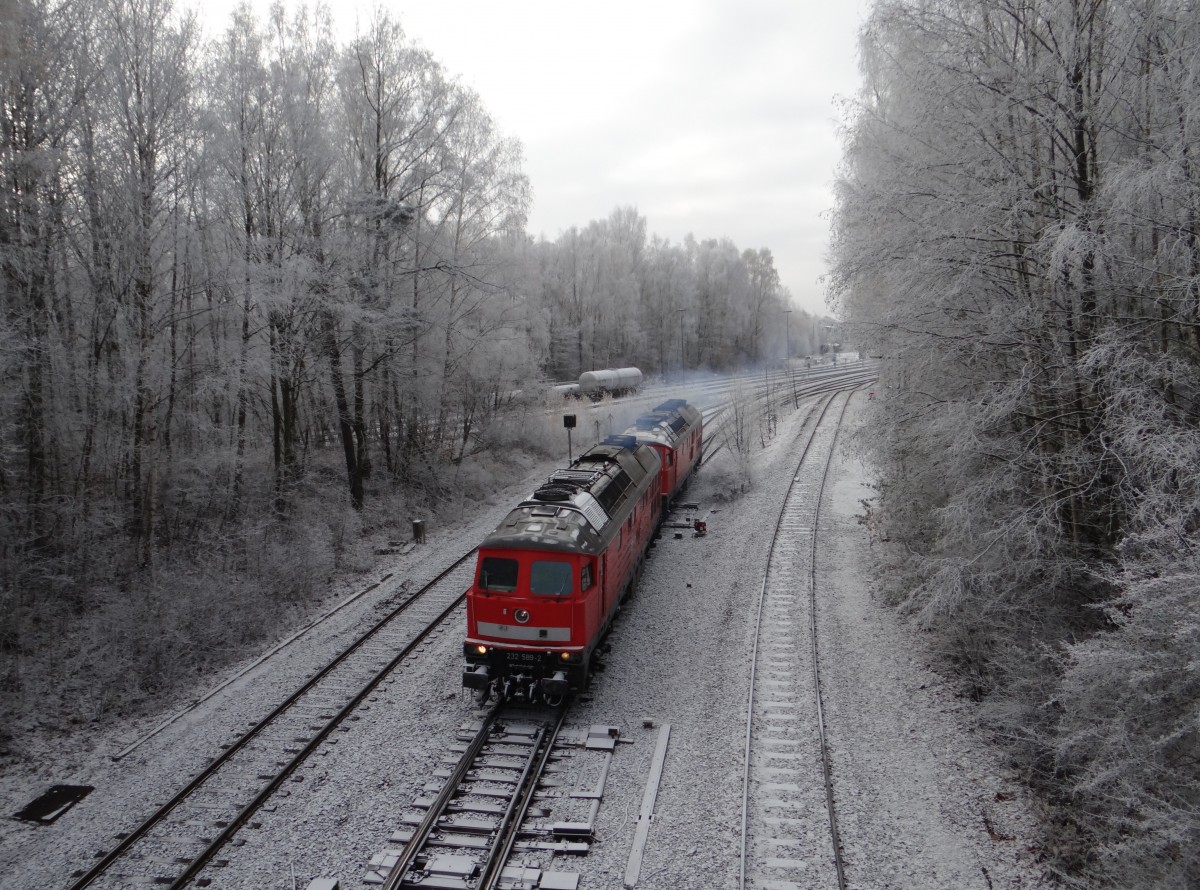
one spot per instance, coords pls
(924, 801)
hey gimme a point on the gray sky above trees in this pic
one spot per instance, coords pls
(713, 117)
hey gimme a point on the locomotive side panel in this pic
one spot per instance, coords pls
(687, 456)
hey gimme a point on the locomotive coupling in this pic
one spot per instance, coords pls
(556, 686)
(477, 678)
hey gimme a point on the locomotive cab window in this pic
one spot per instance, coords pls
(551, 578)
(499, 574)
(585, 577)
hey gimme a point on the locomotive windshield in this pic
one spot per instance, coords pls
(499, 574)
(550, 578)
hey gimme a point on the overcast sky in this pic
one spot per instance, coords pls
(714, 117)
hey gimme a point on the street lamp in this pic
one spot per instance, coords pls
(787, 354)
(787, 337)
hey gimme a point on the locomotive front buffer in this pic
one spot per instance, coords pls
(504, 681)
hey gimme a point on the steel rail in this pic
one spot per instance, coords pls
(508, 828)
(166, 809)
(510, 825)
(824, 384)
(762, 595)
(826, 763)
(438, 806)
(301, 756)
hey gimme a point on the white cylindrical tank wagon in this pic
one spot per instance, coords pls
(566, 389)
(609, 381)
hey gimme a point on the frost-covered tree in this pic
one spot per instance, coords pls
(617, 296)
(257, 290)
(1015, 237)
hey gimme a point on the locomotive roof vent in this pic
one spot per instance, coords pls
(552, 492)
(627, 442)
(564, 484)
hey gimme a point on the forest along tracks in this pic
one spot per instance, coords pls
(789, 824)
(177, 842)
(508, 791)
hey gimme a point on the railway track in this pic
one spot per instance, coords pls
(784, 384)
(185, 835)
(777, 388)
(513, 793)
(790, 836)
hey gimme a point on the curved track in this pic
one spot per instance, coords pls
(176, 842)
(764, 393)
(787, 783)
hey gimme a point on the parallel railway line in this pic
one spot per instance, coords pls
(787, 779)
(176, 842)
(781, 387)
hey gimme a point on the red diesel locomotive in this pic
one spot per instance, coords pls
(549, 580)
(676, 431)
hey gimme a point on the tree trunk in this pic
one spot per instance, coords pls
(345, 421)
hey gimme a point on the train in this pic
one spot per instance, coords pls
(597, 384)
(675, 430)
(551, 578)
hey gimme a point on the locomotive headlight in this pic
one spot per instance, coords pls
(522, 615)
(482, 650)
(566, 656)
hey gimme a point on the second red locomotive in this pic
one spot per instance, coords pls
(550, 579)
(676, 431)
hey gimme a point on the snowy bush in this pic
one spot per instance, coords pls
(1129, 734)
